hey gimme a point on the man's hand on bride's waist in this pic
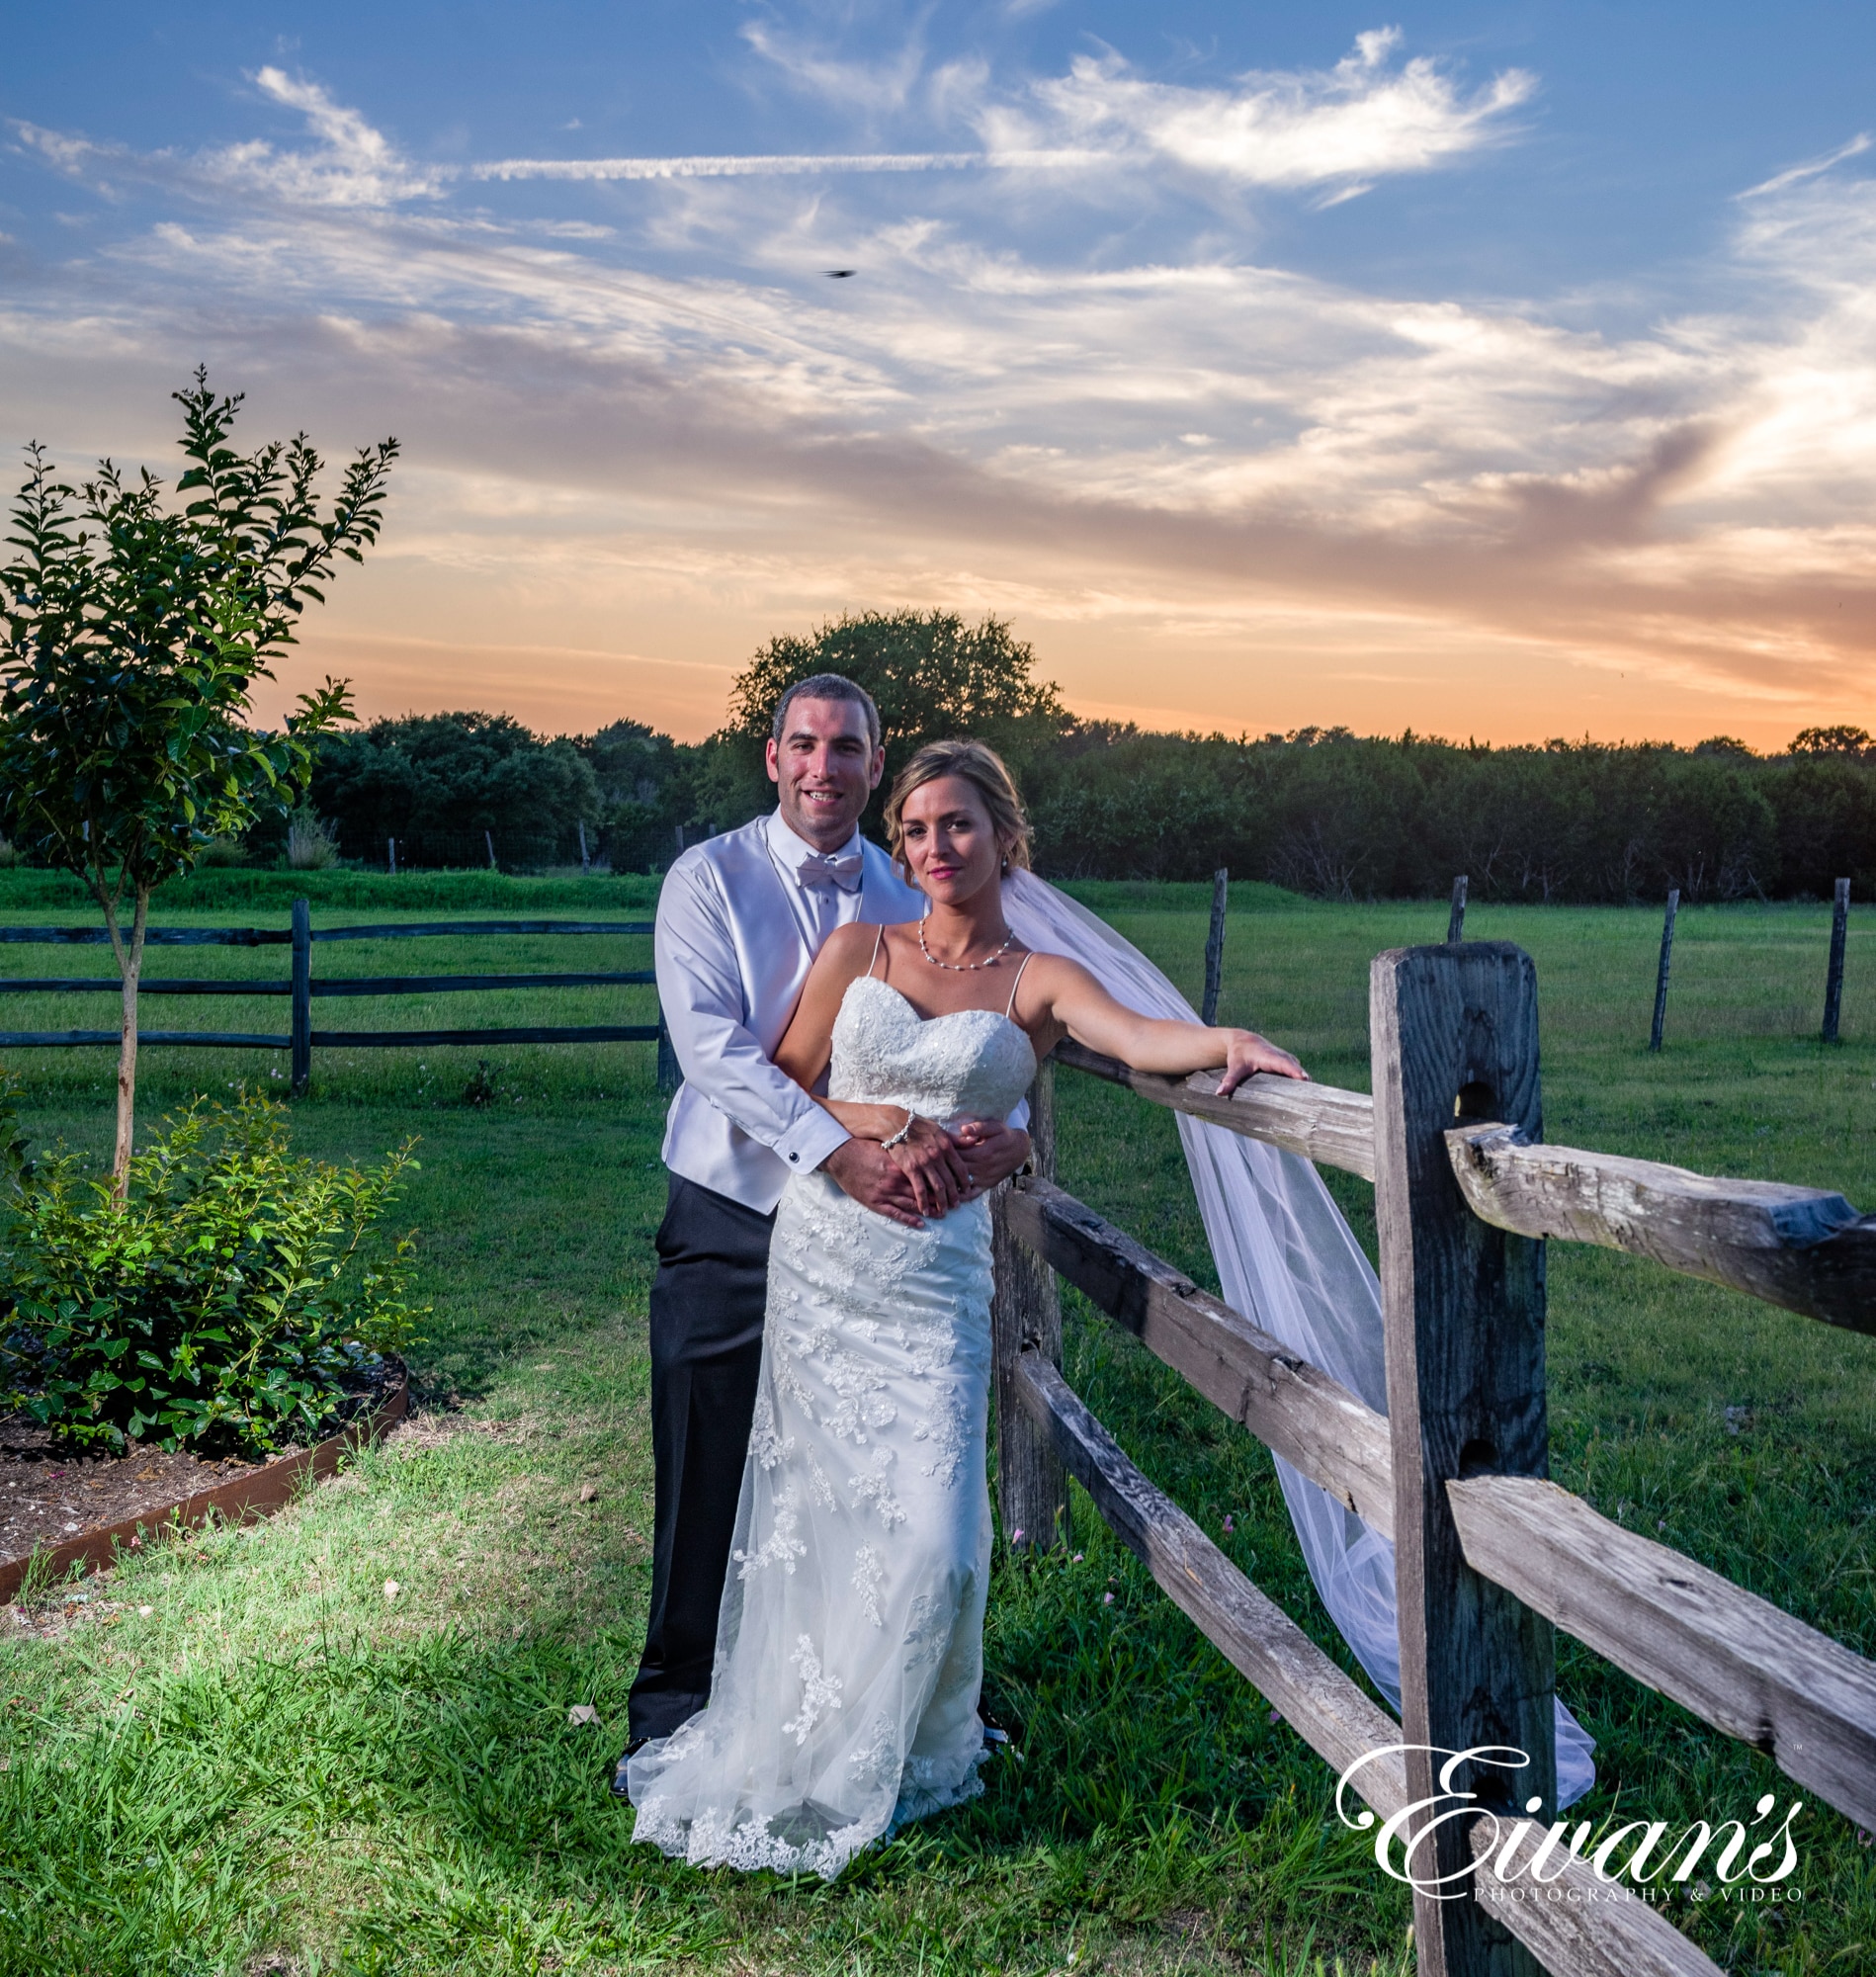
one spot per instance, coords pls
(897, 1161)
(931, 1160)
(861, 1168)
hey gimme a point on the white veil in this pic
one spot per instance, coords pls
(1286, 1258)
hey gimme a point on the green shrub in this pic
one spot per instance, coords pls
(228, 1301)
(312, 845)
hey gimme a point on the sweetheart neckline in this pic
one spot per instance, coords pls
(944, 1016)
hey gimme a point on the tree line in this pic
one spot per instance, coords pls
(1348, 817)
(1319, 810)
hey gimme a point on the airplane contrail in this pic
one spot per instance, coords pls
(784, 165)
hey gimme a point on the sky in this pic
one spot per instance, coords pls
(1496, 371)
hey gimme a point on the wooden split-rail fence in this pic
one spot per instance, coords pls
(1491, 1556)
(302, 987)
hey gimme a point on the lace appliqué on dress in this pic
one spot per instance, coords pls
(927, 1633)
(944, 1430)
(766, 1448)
(781, 1547)
(821, 1692)
(869, 1574)
(876, 1490)
(747, 1843)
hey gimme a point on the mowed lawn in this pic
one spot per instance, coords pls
(283, 1766)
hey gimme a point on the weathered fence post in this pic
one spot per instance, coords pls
(1215, 943)
(587, 862)
(1032, 1491)
(1833, 975)
(488, 838)
(1455, 1038)
(1661, 976)
(303, 998)
(1456, 918)
(390, 855)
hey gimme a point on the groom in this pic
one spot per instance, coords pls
(740, 920)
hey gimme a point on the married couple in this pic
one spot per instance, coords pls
(857, 1031)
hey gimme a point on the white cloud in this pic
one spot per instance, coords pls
(1361, 120)
(866, 89)
(1796, 174)
(350, 165)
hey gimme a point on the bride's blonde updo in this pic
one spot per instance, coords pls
(983, 768)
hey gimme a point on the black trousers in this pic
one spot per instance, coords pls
(708, 1301)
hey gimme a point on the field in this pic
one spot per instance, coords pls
(242, 1753)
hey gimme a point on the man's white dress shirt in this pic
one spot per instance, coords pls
(740, 920)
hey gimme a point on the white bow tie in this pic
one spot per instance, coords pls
(820, 871)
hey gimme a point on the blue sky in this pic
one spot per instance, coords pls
(1504, 371)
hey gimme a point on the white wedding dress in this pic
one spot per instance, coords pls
(850, 1646)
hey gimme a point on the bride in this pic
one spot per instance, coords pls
(849, 1651)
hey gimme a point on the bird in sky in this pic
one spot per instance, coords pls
(840, 274)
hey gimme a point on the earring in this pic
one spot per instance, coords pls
(1006, 864)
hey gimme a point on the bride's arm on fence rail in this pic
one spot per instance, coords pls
(1061, 997)
(928, 1156)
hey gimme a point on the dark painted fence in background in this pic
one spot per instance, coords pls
(303, 987)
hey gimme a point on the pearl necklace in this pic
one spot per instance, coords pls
(964, 967)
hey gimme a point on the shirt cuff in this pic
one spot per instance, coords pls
(811, 1138)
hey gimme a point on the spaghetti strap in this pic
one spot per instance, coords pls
(879, 941)
(1011, 1011)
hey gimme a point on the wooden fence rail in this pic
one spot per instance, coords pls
(1736, 1661)
(302, 987)
(1331, 1127)
(1309, 1420)
(1490, 1555)
(1803, 1247)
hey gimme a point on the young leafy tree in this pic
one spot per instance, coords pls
(133, 630)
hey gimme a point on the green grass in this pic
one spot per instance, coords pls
(280, 1758)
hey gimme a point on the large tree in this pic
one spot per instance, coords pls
(932, 675)
(133, 628)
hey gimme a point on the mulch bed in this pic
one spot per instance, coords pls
(48, 1492)
(69, 1505)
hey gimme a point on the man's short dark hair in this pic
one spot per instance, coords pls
(828, 686)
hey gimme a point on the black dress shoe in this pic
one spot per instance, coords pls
(631, 1750)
